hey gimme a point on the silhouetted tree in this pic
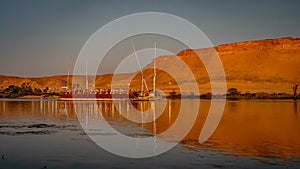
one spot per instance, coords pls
(233, 92)
(26, 89)
(12, 89)
(46, 90)
(295, 90)
(37, 91)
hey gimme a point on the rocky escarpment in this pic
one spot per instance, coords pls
(263, 65)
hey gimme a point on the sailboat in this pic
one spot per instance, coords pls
(153, 95)
(91, 94)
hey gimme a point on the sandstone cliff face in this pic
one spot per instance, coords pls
(265, 65)
(271, 65)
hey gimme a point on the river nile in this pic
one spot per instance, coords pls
(47, 134)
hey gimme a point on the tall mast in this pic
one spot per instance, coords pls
(68, 77)
(86, 76)
(154, 69)
(142, 74)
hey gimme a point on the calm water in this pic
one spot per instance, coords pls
(47, 134)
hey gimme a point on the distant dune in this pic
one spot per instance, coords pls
(271, 65)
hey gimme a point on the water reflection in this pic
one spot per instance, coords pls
(259, 128)
(252, 128)
(296, 108)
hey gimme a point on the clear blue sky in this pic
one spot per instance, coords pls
(38, 37)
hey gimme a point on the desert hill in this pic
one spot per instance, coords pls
(271, 65)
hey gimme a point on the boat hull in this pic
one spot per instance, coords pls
(110, 99)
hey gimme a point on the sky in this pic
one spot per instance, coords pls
(44, 37)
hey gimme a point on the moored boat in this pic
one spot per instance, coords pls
(113, 94)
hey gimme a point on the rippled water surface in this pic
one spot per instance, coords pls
(47, 134)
